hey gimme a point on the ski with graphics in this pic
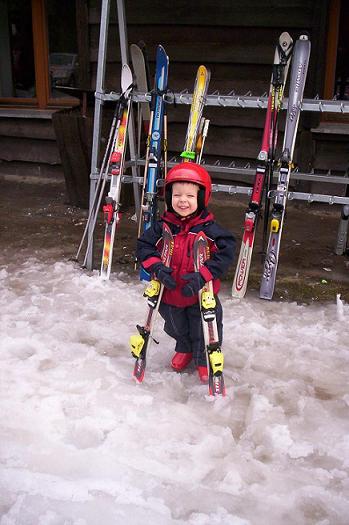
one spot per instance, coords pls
(207, 301)
(265, 160)
(139, 343)
(116, 166)
(196, 126)
(299, 69)
(154, 142)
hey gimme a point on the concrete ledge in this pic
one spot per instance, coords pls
(27, 112)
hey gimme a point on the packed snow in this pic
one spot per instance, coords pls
(83, 444)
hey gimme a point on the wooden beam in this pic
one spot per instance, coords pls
(40, 41)
(331, 51)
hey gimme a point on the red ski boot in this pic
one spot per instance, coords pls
(181, 360)
(203, 374)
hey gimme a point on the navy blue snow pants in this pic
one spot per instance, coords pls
(185, 326)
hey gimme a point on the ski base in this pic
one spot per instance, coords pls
(216, 385)
(139, 370)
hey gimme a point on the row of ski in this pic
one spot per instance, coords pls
(155, 123)
(113, 164)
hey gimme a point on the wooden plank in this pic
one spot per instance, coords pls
(30, 150)
(230, 142)
(74, 139)
(234, 117)
(224, 141)
(169, 35)
(208, 53)
(35, 129)
(224, 78)
(331, 153)
(23, 112)
(291, 13)
(29, 170)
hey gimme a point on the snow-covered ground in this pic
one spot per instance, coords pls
(82, 444)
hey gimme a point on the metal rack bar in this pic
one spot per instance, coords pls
(97, 120)
(250, 172)
(100, 98)
(240, 101)
(247, 190)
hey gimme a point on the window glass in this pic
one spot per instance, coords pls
(16, 49)
(63, 57)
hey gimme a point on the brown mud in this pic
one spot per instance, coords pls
(37, 221)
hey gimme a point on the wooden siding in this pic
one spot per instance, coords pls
(236, 40)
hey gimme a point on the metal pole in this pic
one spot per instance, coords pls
(97, 122)
(131, 125)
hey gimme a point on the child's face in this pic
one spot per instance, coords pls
(185, 198)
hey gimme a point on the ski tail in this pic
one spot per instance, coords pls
(139, 343)
(214, 355)
(299, 70)
(197, 106)
(111, 209)
(265, 162)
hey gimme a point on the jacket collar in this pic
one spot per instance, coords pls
(188, 222)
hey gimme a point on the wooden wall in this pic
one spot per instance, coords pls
(236, 40)
(28, 144)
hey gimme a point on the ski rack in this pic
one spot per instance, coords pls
(247, 101)
(247, 190)
(250, 172)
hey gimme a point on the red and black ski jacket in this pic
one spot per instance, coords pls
(222, 248)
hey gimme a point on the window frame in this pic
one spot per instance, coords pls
(42, 100)
(331, 49)
(331, 61)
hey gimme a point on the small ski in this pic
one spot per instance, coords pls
(214, 355)
(141, 81)
(154, 143)
(195, 117)
(139, 343)
(265, 161)
(116, 167)
(299, 70)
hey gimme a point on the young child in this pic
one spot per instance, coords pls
(187, 193)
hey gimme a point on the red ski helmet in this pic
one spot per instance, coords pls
(189, 172)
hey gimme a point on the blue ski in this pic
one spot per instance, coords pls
(152, 169)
